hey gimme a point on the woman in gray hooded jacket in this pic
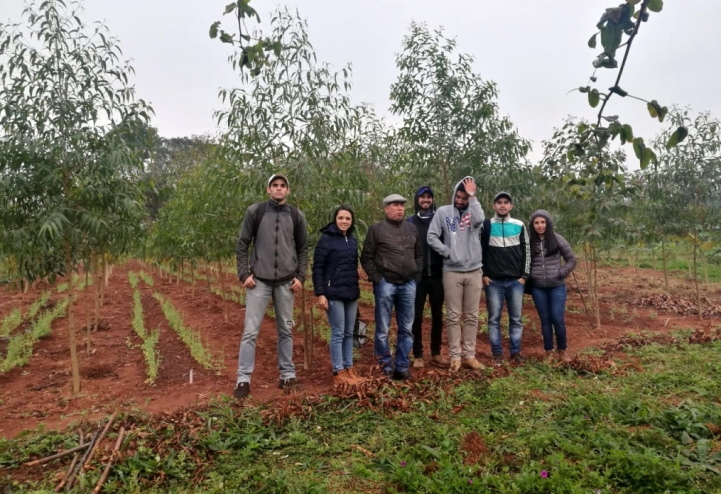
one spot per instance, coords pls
(548, 280)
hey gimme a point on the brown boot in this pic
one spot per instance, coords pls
(418, 363)
(550, 357)
(341, 378)
(563, 356)
(353, 378)
(455, 365)
(440, 361)
(472, 363)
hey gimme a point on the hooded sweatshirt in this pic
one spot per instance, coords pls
(432, 260)
(546, 270)
(455, 235)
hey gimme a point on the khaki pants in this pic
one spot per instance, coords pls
(463, 294)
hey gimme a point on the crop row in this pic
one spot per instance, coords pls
(20, 346)
(150, 352)
(191, 338)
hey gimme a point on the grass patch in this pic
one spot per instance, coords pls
(536, 430)
(191, 338)
(151, 354)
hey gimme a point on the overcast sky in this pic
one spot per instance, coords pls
(535, 50)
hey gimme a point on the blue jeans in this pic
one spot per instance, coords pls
(551, 307)
(512, 292)
(404, 298)
(341, 316)
(256, 301)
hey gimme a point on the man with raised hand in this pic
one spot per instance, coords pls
(277, 269)
(506, 268)
(392, 258)
(455, 234)
(431, 285)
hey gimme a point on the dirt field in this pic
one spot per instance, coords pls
(113, 374)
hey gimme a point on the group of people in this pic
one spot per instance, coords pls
(448, 254)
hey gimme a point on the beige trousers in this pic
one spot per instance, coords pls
(462, 294)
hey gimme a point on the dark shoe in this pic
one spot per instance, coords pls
(401, 375)
(288, 383)
(387, 371)
(517, 359)
(241, 390)
(497, 359)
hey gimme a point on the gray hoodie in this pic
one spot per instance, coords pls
(461, 244)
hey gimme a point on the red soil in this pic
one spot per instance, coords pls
(114, 373)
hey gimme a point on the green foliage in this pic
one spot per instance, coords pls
(150, 340)
(133, 279)
(20, 346)
(452, 126)
(191, 338)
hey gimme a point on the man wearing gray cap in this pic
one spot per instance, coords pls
(276, 268)
(392, 257)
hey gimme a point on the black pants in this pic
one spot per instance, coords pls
(433, 289)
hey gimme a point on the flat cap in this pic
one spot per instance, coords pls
(394, 198)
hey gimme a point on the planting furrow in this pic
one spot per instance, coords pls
(20, 347)
(191, 339)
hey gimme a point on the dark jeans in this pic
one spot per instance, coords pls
(431, 288)
(388, 295)
(551, 307)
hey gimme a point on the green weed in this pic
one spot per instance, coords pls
(147, 278)
(10, 322)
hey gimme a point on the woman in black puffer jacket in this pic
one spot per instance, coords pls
(548, 280)
(335, 282)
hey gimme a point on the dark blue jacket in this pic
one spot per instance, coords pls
(335, 265)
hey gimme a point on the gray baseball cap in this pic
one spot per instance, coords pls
(394, 198)
(503, 194)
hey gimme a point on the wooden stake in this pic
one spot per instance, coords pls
(62, 454)
(100, 439)
(104, 476)
(71, 467)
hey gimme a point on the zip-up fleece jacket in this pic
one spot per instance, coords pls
(432, 260)
(277, 256)
(392, 250)
(546, 270)
(455, 236)
(506, 249)
(335, 265)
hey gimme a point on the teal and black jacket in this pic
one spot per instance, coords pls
(506, 249)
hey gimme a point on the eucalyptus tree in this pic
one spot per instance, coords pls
(450, 115)
(593, 208)
(690, 172)
(295, 116)
(67, 114)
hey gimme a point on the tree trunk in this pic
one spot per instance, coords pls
(306, 332)
(192, 279)
(71, 319)
(665, 264)
(207, 278)
(97, 283)
(88, 305)
(695, 273)
(222, 291)
(103, 279)
(594, 262)
(312, 333)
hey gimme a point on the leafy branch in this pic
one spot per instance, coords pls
(253, 48)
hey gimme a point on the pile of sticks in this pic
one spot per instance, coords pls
(83, 455)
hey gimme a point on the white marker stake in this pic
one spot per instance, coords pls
(191, 376)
